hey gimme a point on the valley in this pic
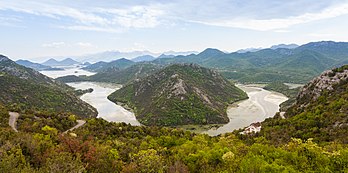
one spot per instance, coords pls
(260, 105)
(107, 110)
(154, 86)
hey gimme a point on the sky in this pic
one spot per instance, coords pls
(44, 28)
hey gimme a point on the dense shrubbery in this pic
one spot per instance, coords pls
(116, 147)
(22, 94)
(180, 94)
(323, 119)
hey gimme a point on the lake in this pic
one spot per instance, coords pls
(106, 109)
(261, 104)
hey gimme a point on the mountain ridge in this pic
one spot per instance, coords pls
(179, 94)
(24, 89)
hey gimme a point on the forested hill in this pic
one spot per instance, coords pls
(117, 75)
(295, 65)
(320, 112)
(180, 94)
(102, 66)
(101, 146)
(24, 89)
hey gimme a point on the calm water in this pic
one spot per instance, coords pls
(98, 98)
(106, 109)
(69, 70)
(261, 104)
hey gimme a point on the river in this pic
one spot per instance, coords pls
(98, 98)
(261, 104)
(106, 109)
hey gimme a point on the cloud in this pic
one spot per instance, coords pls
(62, 44)
(116, 16)
(54, 45)
(85, 45)
(90, 19)
(278, 24)
(10, 21)
(92, 28)
(134, 17)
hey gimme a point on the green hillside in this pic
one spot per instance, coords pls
(180, 94)
(122, 76)
(102, 66)
(297, 65)
(24, 89)
(320, 112)
(115, 75)
(312, 138)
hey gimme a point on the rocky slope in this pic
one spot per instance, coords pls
(180, 94)
(23, 88)
(320, 111)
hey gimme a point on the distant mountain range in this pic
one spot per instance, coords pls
(114, 55)
(283, 63)
(143, 58)
(35, 66)
(65, 62)
(116, 64)
(285, 46)
(297, 65)
(117, 75)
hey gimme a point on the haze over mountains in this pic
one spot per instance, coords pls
(284, 63)
(64, 62)
(174, 91)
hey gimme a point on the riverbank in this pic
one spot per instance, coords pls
(261, 104)
(106, 109)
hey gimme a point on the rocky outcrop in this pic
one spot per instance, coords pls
(326, 81)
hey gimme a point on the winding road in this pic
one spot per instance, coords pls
(13, 120)
(14, 117)
(79, 124)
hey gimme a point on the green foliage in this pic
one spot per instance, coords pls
(25, 94)
(180, 94)
(323, 119)
(297, 65)
(126, 75)
(101, 146)
(116, 75)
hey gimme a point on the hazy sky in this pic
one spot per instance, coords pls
(40, 28)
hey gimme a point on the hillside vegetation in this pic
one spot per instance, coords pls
(296, 65)
(312, 138)
(101, 146)
(116, 75)
(320, 111)
(24, 89)
(102, 66)
(178, 95)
